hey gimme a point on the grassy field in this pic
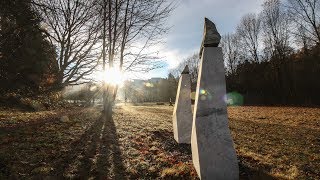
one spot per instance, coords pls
(271, 143)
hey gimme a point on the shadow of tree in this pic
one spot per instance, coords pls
(168, 143)
(96, 154)
(165, 137)
(110, 153)
(255, 175)
(259, 172)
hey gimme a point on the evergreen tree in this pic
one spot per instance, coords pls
(27, 59)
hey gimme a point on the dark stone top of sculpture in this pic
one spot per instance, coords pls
(211, 36)
(185, 70)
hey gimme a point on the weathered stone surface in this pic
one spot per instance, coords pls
(211, 36)
(213, 154)
(64, 119)
(186, 70)
(182, 113)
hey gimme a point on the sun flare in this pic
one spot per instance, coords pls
(113, 76)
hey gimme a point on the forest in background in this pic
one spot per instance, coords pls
(272, 57)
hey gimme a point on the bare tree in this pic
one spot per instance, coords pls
(133, 25)
(276, 26)
(231, 50)
(129, 23)
(249, 30)
(302, 38)
(104, 45)
(143, 26)
(307, 15)
(193, 63)
(71, 26)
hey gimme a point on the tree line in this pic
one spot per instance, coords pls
(161, 90)
(273, 57)
(46, 45)
(132, 91)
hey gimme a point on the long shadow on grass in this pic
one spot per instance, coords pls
(96, 154)
(253, 173)
(110, 153)
(165, 137)
(246, 171)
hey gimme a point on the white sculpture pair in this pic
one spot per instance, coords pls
(213, 154)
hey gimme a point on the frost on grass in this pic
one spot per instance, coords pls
(271, 142)
(149, 150)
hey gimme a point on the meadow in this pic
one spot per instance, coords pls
(271, 143)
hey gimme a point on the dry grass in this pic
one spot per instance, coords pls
(281, 141)
(37, 144)
(271, 143)
(145, 136)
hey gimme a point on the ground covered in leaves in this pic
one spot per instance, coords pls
(271, 143)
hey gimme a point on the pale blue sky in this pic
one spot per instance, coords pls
(187, 20)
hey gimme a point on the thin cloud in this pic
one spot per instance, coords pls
(187, 20)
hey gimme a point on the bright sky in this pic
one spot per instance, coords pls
(187, 21)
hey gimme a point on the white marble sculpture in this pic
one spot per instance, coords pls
(213, 154)
(182, 113)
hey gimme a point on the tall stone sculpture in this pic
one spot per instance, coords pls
(182, 113)
(213, 154)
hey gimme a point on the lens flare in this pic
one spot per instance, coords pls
(203, 97)
(113, 76)
(234, 99)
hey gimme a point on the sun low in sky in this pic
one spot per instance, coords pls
(112, 76)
